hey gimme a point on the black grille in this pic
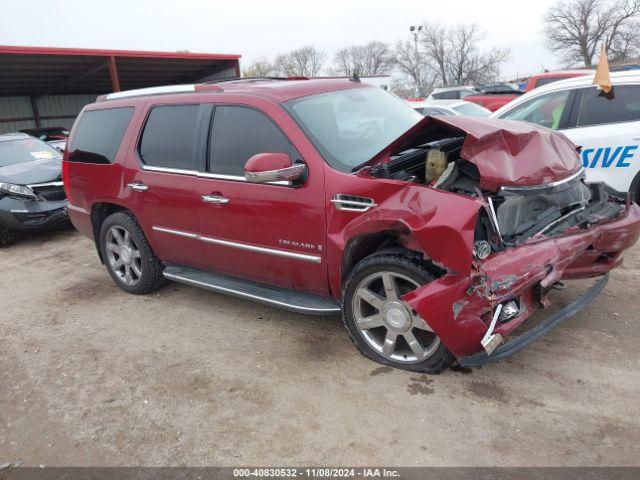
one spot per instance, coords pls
(51, 193)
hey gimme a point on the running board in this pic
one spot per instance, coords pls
(292, 300)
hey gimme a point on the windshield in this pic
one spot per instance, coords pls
(349, 127)
(472, 110)
(25, 150)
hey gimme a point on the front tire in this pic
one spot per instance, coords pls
(383, 327)
(7, 236)
(128, 256)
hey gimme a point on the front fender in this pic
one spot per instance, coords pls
(438, 223)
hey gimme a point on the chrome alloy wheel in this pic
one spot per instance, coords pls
(123, 255)
(388, 324)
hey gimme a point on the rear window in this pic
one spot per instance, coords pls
(622, 104)
(169, 137)
(99, 134)
(25, 150)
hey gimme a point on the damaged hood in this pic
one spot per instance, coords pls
(507, 153)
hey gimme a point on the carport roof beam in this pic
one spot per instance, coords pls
(39, 71)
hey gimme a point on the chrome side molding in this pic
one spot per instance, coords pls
(305, 257)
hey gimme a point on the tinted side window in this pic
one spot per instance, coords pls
(622, 104)
(438, 96)
(99, 134)
(451, 95)
(169, 137)
(239, 133)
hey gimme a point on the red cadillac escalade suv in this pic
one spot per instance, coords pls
(434, 237)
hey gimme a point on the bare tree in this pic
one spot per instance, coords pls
(374, 58)
(626, 44)
(576, 28)
(350, 60)
(260, 67)
(455, 57)
(434, 41)
(306, 62)
(379, 58)
(413, 63)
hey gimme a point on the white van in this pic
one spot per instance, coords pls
(605, 126)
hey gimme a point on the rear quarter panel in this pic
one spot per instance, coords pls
(89, 183)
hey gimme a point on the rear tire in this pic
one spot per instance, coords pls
(7, 236)
(384, 328)
(128, 256)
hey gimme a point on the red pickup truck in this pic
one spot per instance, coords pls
(434, 237)
(495, 100)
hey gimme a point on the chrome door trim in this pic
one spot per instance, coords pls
(237, 178)
(214, 176)
(241, 246)
(179, 233)
(220, 176)
(178, 171)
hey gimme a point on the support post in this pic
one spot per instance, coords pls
(113, 72)
(36, 112)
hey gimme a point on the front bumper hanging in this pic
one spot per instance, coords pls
(507, 349)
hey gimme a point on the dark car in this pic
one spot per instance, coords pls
(434, 237)
(31, 192)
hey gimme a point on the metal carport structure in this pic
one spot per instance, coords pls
(43, 86)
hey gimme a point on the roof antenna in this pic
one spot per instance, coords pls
(355, 77)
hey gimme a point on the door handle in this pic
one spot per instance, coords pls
(214, 199)
(138, 187)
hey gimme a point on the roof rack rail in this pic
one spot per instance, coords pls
(185, 88)
(253, 79)
(138, 92)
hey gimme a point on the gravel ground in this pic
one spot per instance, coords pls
(90, 375)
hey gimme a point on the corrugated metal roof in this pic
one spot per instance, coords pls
(42, 71)
(63, 104)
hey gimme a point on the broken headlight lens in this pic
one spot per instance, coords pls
(16, 190)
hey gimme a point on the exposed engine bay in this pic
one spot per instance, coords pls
(513, 214)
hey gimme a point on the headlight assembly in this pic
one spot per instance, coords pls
(16, 190)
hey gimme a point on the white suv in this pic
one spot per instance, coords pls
(605, 126)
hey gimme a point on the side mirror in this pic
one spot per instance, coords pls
(272, 167)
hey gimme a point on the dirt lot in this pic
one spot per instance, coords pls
(92, 376)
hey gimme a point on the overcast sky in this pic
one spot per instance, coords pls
(254, 28)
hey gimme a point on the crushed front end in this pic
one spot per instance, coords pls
(538, 223)
(517, 279)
